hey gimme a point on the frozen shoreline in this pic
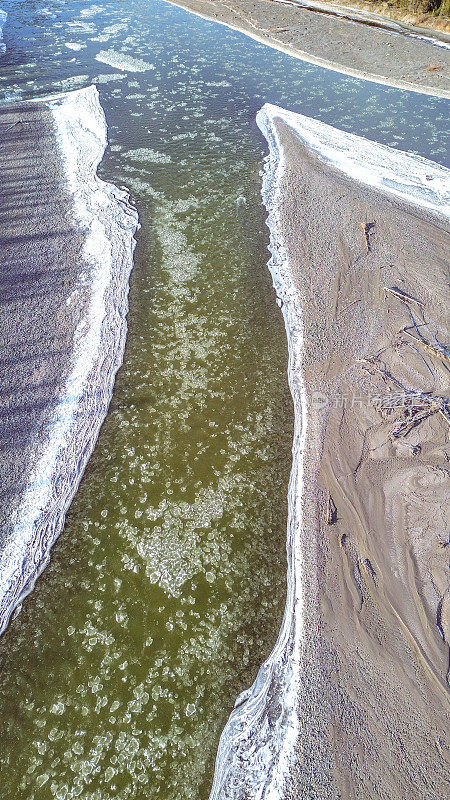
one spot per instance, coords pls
(3, 16)
(407, 176)
(108, 223)
(258, 741)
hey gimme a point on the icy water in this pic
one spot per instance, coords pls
(166, 590)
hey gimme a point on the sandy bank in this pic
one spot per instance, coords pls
(351, 47)
(65, 258)
(370, 270)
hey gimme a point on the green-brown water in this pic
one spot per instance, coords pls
(166, 590)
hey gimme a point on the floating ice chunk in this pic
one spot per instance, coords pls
(113, 29)
(74, 82)
(217, 84)
(84, 27)
(12, 97)
(91, 11)
(123, 61)
(75, 46)
(148, 155)
(110, 31)
(57, 708)
(115, 76)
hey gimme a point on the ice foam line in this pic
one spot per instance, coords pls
(3, 16)
(396, 172)
(109, 221)
(257, 745)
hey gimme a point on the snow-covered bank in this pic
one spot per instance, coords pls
(108, 223)
(258, 742)
(405, 175)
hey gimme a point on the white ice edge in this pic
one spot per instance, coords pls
(302, 55)
(404, 175)
(257, 745)
(256, 751)
(3, 16)
(109, 222)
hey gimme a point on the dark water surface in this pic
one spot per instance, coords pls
(166, 590)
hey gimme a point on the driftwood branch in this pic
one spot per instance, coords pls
(415, 406)
(366, 228)
(401, 295)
